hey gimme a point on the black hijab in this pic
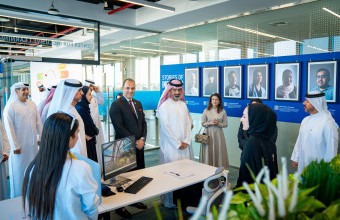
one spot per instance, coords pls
(262, 121)
(84, 103)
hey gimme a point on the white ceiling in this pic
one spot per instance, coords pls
(187, 13)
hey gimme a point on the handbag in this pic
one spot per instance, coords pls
(202, 138)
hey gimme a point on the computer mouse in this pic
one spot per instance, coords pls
(120, 189)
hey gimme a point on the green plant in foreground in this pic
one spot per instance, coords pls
(277, 199)
(326, 176)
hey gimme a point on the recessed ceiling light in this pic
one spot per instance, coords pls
(279, 23)
(2, 19)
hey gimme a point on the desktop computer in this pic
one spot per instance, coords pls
(119, 156)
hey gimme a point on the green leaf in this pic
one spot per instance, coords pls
(333, 211)
(158, 212)
(309, 204)
(303, 216)
(253, 213)
(240, 197)
(215, 212)
(306, 192)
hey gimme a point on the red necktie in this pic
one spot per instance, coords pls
(133, 109)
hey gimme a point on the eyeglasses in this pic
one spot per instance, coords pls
(72, 116)
(321, 77)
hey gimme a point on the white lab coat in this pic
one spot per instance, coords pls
(4, 149)
(175, 127)
(80, 146)
(318, 139)
(76, 196)
(23, 125)
(95, 101)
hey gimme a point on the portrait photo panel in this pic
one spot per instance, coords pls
(191, 82)
(257, 81)
(210, 81)
(287, 82)
(322, 77)
(232, 82)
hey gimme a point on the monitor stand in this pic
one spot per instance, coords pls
(117, 181)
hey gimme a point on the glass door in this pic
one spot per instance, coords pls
(6, 81)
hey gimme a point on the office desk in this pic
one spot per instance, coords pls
(161, 183)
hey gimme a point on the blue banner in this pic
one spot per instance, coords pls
(286, 111)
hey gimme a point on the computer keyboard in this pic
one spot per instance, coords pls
(138, 185)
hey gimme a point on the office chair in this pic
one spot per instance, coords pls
(213, 190)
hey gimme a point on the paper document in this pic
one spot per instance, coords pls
(179, 174)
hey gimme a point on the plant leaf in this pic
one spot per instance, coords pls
(240, 197)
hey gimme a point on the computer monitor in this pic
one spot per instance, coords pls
(119, 156)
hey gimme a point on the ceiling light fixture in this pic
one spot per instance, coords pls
(2, 19)
(150, 5)
(24, 47)
(52, 10)
(332, 12)
(273, 36)
(34, 37)
(138, 48)
(47, 22)
(182, 41)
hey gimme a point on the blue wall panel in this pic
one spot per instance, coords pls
(286, 111)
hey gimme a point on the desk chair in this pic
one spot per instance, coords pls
(213, 190)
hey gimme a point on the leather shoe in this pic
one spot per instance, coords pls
(123, 212)
(139, 205)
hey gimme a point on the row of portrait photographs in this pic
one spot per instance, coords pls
(321, 76)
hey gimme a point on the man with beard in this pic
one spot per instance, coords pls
(175, 129)
(322, 79)
(318, 135)
(23, 125)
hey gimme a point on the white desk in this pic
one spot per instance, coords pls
(161, 183)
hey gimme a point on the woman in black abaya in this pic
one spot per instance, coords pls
(259, 148)
(91, 130)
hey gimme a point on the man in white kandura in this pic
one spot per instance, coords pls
(318, 135)
(175, 129)
(4, 153)
(67, 94)
(43, 92)
(97, 99)
(22, 124)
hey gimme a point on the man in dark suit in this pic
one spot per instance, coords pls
(128, 119)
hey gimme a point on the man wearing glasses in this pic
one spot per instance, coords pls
(322, 79)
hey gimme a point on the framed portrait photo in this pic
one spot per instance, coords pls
(210, 81)
(257, 81)
(232, 82)
(287, 82)
(191, 82)
(322, 77)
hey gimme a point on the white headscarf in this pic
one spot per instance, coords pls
(320, 104)
(64, 95)
(89, 82)
(14, 95)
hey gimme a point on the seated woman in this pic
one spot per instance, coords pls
(260, 121)
(91, 131)
(57, 185)
(214, 118)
